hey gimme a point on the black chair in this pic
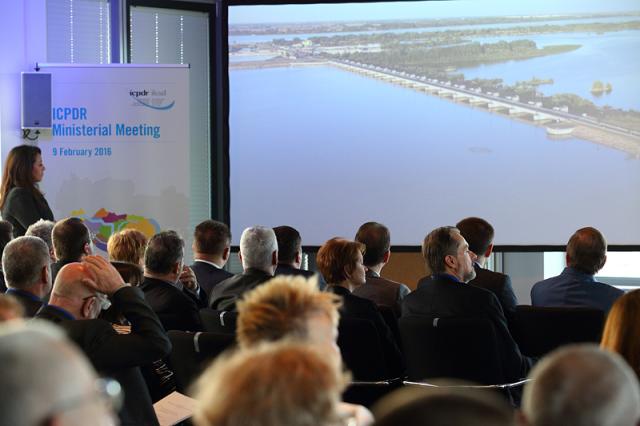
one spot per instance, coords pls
(361, 349)
(539, 330)
(390, 318)
(219, 321)
(192, 352)
(459, 348)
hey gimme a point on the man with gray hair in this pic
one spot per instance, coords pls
(47, 381)
(43, 229)
(27, 272)
(259, 257)
(581, 385)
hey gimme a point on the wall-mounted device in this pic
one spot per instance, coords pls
(36, 100)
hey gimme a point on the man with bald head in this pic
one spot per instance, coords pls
(80, 292)
(576, 285)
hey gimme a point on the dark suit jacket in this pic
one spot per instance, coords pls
(177, 309)
(382, 291)
(283, 269)
(30, 302)
(226, 294)
(357, 307)
(209, 276)
(443, 297)
(498, 284)
(3, 286)
(120, 355)
(23, 208)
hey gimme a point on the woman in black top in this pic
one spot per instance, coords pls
(21, 201)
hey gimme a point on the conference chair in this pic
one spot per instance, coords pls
(192, 353)
(391, 320)
(219, 321)
(361, 349)
(539, 330)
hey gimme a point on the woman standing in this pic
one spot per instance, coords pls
(21, 201)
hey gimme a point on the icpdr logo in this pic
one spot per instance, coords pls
(154, 99)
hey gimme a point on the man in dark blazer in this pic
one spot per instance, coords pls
(381, 291)
(27, 272)
(71, 241)
(79, 295)
(479, 234)
(447, 293)
(259, 257)
(290, 255)
(211, 248)
(170, 288)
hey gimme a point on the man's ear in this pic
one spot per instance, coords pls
(487, 253)
(226, 253)
(44, 274)
(88, 307)
(87, 249)
(385, 258)
(298, 258)
(450, 261)
(177, 268)
(274, 258)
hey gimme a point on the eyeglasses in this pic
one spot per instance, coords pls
(107, 391)
(104, 301)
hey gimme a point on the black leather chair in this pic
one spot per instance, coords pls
(361, 349)
(539, 330)
(219, 321)
(192, 353)
(459, 348)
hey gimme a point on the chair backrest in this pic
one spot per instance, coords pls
(459, 348)
(218, 321)
(391, 320)
(539, 330)
(192, 352)
(361, 349)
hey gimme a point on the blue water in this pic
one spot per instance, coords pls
(325, 150)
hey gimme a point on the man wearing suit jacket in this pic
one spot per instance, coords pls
(259, 257)
(479, 234)
(211, 248)
(447, 293)
(79, 295)
(170, 288)
(27, 271)
(381, 291)
(290, 255)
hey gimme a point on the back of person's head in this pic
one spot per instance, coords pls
(581, 385)
(337, 259)
(377, 240)
(6, 234)
(164, 250)
(127, 245)
(23, 261)
(587, 250)
(211, 237)
(257, 246)
(437, 245)
(71, 239)
(478, 232)
(453, 403)
(622, 329)
(43, 230)
(18, 170)
(282, 308)
(47, 380)
(289, 244)
(272, 385)
(10, 308)
(131, 273)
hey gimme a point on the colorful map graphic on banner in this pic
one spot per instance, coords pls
(105, 223)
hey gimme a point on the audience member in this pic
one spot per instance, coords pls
(576, 285)
(45, 380)
(450, 403)
(581, 385)
(259, 257)
(273, 385)
(211, 249)
(127, 246)
(446, 294)
(6, 234)
(377, 240)
(622, 329)
(79, 295)
(340, 262)
(71, 242)
(25, 262)
(169, 287)
(10, 308)
(43, 229)
(479, 234)
(290, 254)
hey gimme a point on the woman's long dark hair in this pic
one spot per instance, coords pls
(18, 171)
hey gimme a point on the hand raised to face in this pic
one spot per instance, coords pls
(102, 276)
